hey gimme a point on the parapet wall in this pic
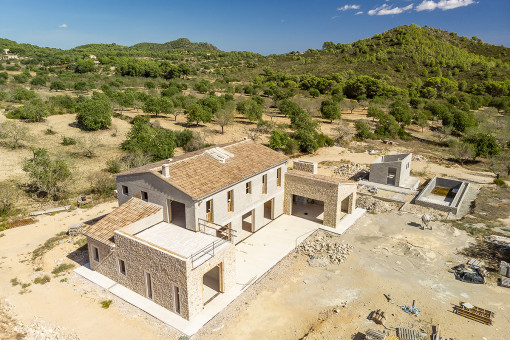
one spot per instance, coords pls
(452, 206)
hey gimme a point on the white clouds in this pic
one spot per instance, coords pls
(358, 13)
(389, 9)
(62, 26)
(347, 7)
(430, 5)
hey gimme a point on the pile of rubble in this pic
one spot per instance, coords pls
(38, 329)
(420, 158)
(349, 169)
(373, 205)
(322, 250)
(10, 328)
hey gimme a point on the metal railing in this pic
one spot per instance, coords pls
(208, 250)
(211, 228)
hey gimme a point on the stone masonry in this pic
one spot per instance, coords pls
(305, 166)
(329, 190)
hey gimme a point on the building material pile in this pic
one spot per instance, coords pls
(475, 313)
(350, 169)
(501, 241)
(373, 334)
(504, 269)
(322, 249)
(373, 205)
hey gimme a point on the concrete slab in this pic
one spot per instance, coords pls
(387, 187)
(346, 222)
(254, 257)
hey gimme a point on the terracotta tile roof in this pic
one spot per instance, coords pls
(129, 212)
(199, 175)
(323, 178)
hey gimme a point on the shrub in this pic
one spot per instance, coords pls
(62, 268)
(500, 182)
(323, 140)
(183, 137)
(68, 141)
(15, 281)
(291, 147)
(106, 304)
(42, 280)
(113, 166)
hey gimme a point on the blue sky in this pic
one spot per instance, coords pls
(259, 26)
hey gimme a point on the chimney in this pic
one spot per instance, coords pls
(165, 170)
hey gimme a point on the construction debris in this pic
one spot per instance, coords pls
(504, 269)
(350, 169)
(408, 334)
(377, 316)
(498, 240)
(75, 229)
(373, 205)
(322, 249)
(410, 309)
(469, 273)
(373, 334)
(474, 313)
(419, 158)
(504, 282)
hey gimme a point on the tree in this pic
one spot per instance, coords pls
(50, 177)
(250, 109)
(166, 105)
(500, 163)
(343, 132)
(198, 113)
(57, 85)
(142, 138)
(421, 119)
(9, 194)
(463, 120)
(362, 130)
(330, 110)
(374, 112)
(202, 86)
(307, 141)
(94, 114)
(401, 111)
(350, 105)
(278, 139)
(14, 132)
(152, 105)
(484, 144)
(225, 117)
(462, 151)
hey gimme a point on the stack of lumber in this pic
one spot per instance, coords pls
(407, 334)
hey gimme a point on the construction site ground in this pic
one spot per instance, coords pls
(296, 299)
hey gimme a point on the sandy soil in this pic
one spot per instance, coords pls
(73, 305)
(391, 256)
(107, 147)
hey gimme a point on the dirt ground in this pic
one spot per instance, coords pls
(106, 143)
(391, 255)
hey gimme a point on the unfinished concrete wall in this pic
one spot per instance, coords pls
(305, 166)
(453, 206)
(379, 168)
(318, 189)
(245, 202)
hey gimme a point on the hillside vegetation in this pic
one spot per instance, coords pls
(449, 93)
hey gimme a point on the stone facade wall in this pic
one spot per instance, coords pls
(166, 270)
(305, 166)
(195, 277)
(105, 257)
(331, 194)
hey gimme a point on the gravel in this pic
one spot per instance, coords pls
(373, 205)
(321, 251)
